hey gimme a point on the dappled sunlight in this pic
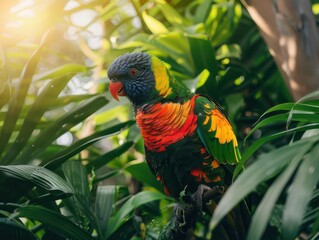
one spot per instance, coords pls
(73, 161)
(28, 20)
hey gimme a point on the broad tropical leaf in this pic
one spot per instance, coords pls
(268, 166)
(62, 125)
(83, 143)
(39, 177)
(19, 95)
(55, 221)
(134, 202)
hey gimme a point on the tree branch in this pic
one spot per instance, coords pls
(289, 29)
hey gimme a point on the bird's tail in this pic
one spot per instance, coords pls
(235, 225)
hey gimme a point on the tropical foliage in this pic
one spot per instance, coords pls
(289, 198)
(72, 163)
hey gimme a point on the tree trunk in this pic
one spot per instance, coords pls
(289, 29)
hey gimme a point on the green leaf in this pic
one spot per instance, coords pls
(296, 106)
(110, 9)
(202, 78)
(170, 13)
(5, 80)
(39, 176)
(65, 100)
(60, 126)
(84, 6)
(140, 171)
(19, 95)
(265, 208)
(109, 156)
(104, 205)
(203, 56)
(55, 221)
(38, 108)
(266, 167)
(202, 10)
(13, 230)
(76, 175)
(311, 217)
(301, 117)
(222, 20)
(312, 95)
(293, 108)
(175, 45)
(309, 96)
(303, 185)
(228, 51)
(134, 202)
(257, 144)
(315, 8)
(315, 230)
(198, 81)
(153, 24)
(67, 69)
(83, 143)
(107, 175)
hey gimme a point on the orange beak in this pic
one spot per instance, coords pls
(117, 89)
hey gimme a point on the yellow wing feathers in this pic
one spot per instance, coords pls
(216, 132)
(219, 123)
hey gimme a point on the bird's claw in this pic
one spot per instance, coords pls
(186, 213)
(204, 193)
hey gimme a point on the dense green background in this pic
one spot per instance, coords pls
(72, 158)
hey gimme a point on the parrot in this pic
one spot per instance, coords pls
(188, 140)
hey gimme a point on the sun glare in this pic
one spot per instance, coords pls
(24, 21)
(22, 6)
(29, 19)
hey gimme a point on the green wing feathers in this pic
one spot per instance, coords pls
(216, 132)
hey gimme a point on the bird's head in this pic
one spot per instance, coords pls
(140, 77)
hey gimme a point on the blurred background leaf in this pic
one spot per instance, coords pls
(72, 154)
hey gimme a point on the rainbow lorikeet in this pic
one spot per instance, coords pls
(188, 140)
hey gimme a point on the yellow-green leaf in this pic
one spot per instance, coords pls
(153, 24)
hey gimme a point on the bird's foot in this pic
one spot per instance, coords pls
(182, 224)
(183, 214)
(184, 217)
(204, 193)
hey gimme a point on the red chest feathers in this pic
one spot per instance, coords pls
(164, 124)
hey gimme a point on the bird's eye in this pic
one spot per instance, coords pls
(133, 72)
